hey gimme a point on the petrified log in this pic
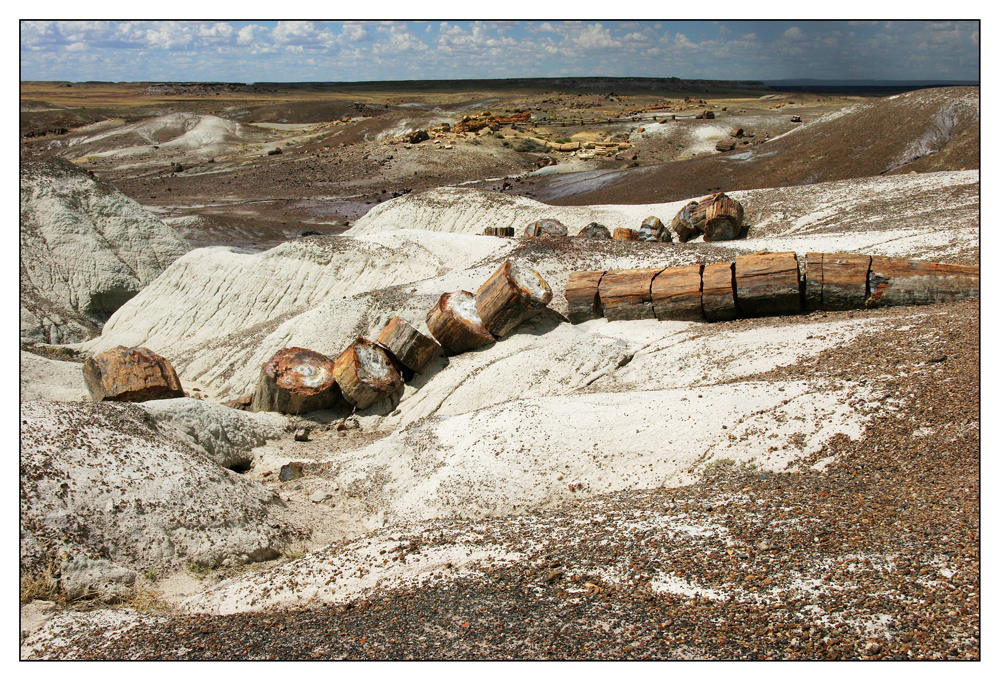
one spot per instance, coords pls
(736, 132)
(625, 294)
(723, 218)
(365, 374)
(514, 294)
(124, 374)
(456, 323)
(718, 292)
(595, 230)
(676, 294)
(836, 281)
(767, 284)
(408, 346)
(653, 230)
(625, 234)
(546, 227)
(725, 145)
(894, 281)
(498, 231)
(583, 296)
(296, 381)
(683, 223)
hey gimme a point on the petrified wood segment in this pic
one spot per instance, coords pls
(296, 381)
(514, 294)
(365, 374)
(894, 281)
(836, 281)
(498, 231)
(626, 294)
(625, 234)
(676, 294)
(411, 348)
(723, 219)
(583, 296)
(456, 324)
(718, 292)
(595, 230)
(653, 230)
(130, 375)
(683, 223)
(546, 227)
(767, 284)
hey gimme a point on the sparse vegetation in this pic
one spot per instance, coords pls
(530, 146)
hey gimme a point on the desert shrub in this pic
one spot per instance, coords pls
(530, 146)
(564, 140)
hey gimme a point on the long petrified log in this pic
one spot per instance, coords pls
(625, 234)
(456, 325)
(365, 374)
(124, 374)
(718, 292)
(583, 296)
(767, 284)
(894, 281)
(723, 219)
(836, 281)
(296, 381)
(626, 294)
(514, 294)
(411, 348)
(676, 294)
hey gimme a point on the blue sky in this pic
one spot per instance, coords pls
(247, 51)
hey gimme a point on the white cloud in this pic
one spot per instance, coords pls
(251, 34)
(169, 35)
(794, 33)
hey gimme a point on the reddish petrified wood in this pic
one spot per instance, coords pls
(894, 281)
(718, 292)
(725, 145)
(723, 218)
(514, 294)
(498, 231)
(296, 381)
(767, 284)
(408, 346)
(625, 234)
(456, 324)
(836, 281)
(583, 296)
(130, 375)
(676, 294)
(626, 294)
(366, 374)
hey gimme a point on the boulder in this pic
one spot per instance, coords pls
(546, 227)
(418, 137)
(595, 230)
(130, 375)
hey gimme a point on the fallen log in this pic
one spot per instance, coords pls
(626, 294)
(366, 374)
(498, 231)
(718, 292)
(456, 325)
(683, 223)
(894, 281)
(725, 145)
(836, 281)
(514, 294)
(625, 234)
(408, 346)
(124, 374)
(723, 218)
(583, 296)
(546, 227)
(767, 284)
(676, 294)
(653, 230)
(296, 381)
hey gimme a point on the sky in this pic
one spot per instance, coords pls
(249, 51)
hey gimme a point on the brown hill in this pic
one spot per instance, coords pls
(920, 131)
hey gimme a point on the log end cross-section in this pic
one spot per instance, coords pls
(626, 294)
(365, 374)
(767, 284)
(514, 294)
(456, 325)
(296, 381)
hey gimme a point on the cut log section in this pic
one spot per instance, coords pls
(513, 295)
(456, 325)
(625, 234)
(653, 230)
(725, 145)
(626, 294)
(718, 292)
(894, 281)
(124, 374)
(296, 381)
(411, 348)
(595, 230)
(583, 296)
(767, 284)
(836, 281)
(676, 294)
(683, 223)
(365, 374)
(723, 219)
(546, 227)
(498, 231)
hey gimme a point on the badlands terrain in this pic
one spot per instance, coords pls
(794, 487)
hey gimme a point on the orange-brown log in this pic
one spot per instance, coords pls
(408, 346)
(683, 223)
(456, 325)
(366, 374)
(583, 296)
(130, 375)
(767, 284)
(514, 294)
(718, 292)
(894, 281)
(723, 219)
(836, 281)
(498, 231)
(296, 381)
(626, 294)
(676, 294)
(625, 234)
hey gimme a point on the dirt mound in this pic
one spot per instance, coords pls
(921, 131)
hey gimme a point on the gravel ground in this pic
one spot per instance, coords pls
(876, 556)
